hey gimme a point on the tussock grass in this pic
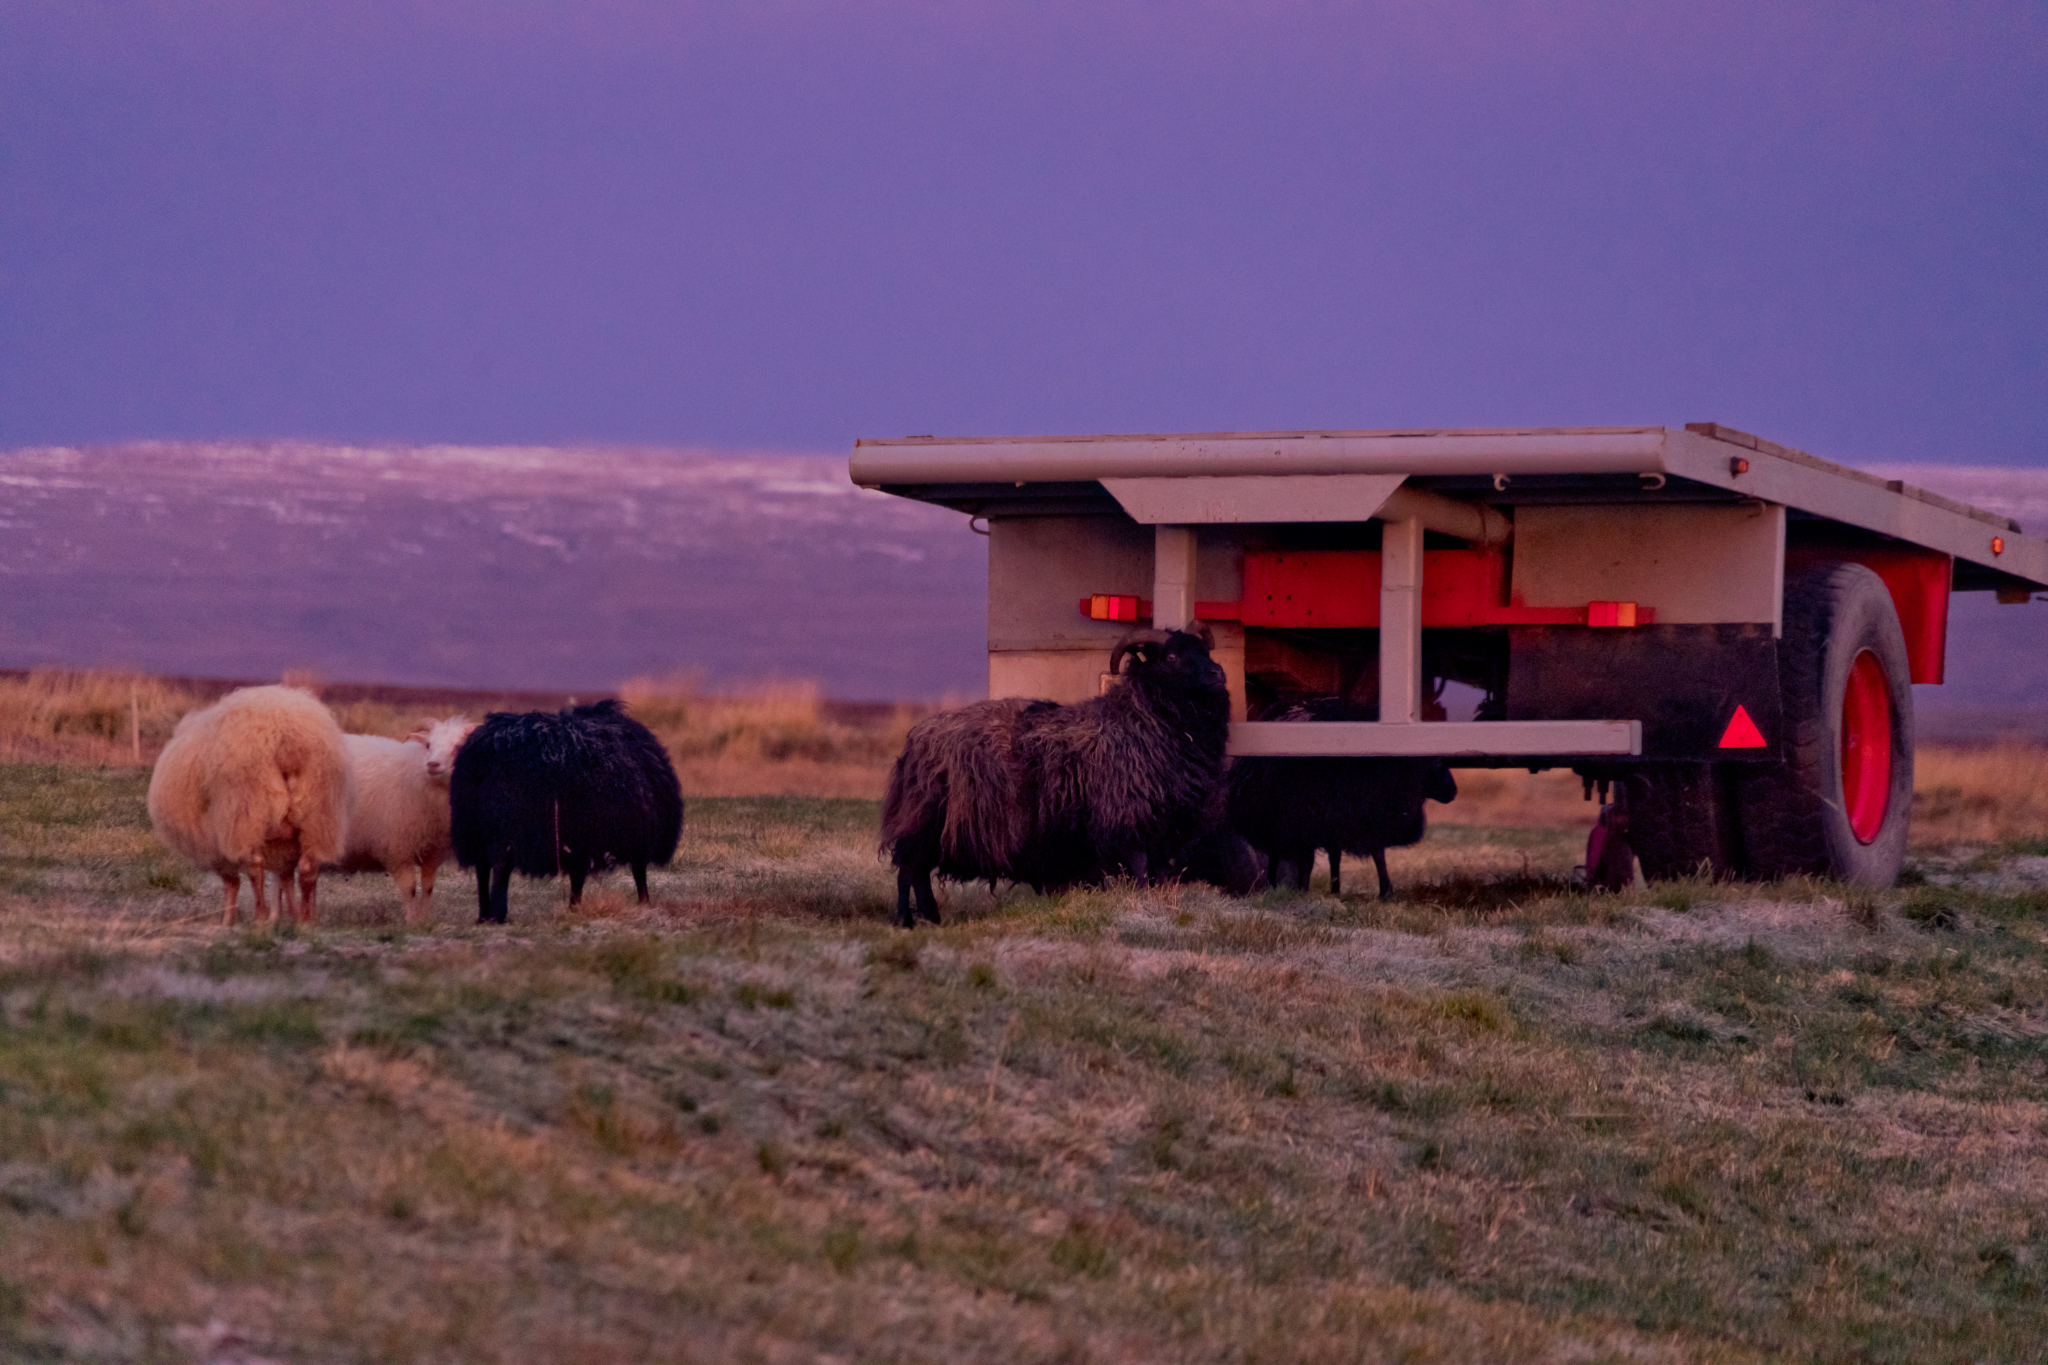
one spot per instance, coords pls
(772, 723)
(1498, 797)
(1977, 795)
(88, 717)
(1493, 1119)
(777, 739)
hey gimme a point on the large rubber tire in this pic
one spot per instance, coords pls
(1848, 713)
(1681, 820)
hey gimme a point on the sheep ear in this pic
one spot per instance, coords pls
(1205, 635)
(419, 734)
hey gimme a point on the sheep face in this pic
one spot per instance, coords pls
(1186, 657)
(442, 738)
(1176, 655)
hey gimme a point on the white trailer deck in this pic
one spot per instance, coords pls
(1653, 491)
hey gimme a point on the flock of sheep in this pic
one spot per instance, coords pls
(1133, 782)
(264, 781)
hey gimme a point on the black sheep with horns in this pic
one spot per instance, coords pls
(575, 791)
(1051, 795)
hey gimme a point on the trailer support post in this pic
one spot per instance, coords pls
(1401, 620)
(1173, 577)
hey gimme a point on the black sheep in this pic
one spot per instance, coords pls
(952, 805)
(575, 791)
(1287, 808)
(1057, 795)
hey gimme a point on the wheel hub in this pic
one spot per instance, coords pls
(1866, 747)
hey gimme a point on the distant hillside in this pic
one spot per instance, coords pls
(574, 569)
(496, 568)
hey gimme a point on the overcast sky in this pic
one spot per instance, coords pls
(765, 224)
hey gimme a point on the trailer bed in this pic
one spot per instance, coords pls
(1700, 462)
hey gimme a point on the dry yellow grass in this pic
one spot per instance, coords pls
(1992, 793)
(1515, 796)
(88, 717)
(785, 739)
(777, 739)
(116, 719)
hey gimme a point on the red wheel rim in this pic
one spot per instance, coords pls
(1866, 747)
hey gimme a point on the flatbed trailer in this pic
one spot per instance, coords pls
(1725, 627)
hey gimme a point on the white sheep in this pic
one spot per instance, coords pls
(255, 782)
(398, 807)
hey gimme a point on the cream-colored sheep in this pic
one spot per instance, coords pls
(256, 782)
(398, 807)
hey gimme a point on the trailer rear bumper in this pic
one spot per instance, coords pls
(1446, 739)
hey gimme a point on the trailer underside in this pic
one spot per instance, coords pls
(1614, 593)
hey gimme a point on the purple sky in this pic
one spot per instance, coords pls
(790, 224)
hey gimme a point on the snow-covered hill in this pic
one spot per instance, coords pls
(495, 567)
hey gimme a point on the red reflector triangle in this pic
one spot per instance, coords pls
(1742, 732)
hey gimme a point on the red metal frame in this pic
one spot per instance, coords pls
(1341, 589)
(1332, 589)
(1919, 585)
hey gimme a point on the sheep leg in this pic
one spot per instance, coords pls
(927, 899)
(501, 893)
(1336, 872)
(903, 920)
(259, 882)
(425, 906)
(309, 883)
(577, 873)
(1137, 866)
(640, 882)
(493, 888)
(402, 877)
(1379, 860)
(231, 883)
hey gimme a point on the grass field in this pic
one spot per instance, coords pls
(1493, 1120)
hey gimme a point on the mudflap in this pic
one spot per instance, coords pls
(1685, 683)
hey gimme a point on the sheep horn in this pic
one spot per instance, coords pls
(1131, 642)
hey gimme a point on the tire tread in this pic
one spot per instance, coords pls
(1781, 810)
